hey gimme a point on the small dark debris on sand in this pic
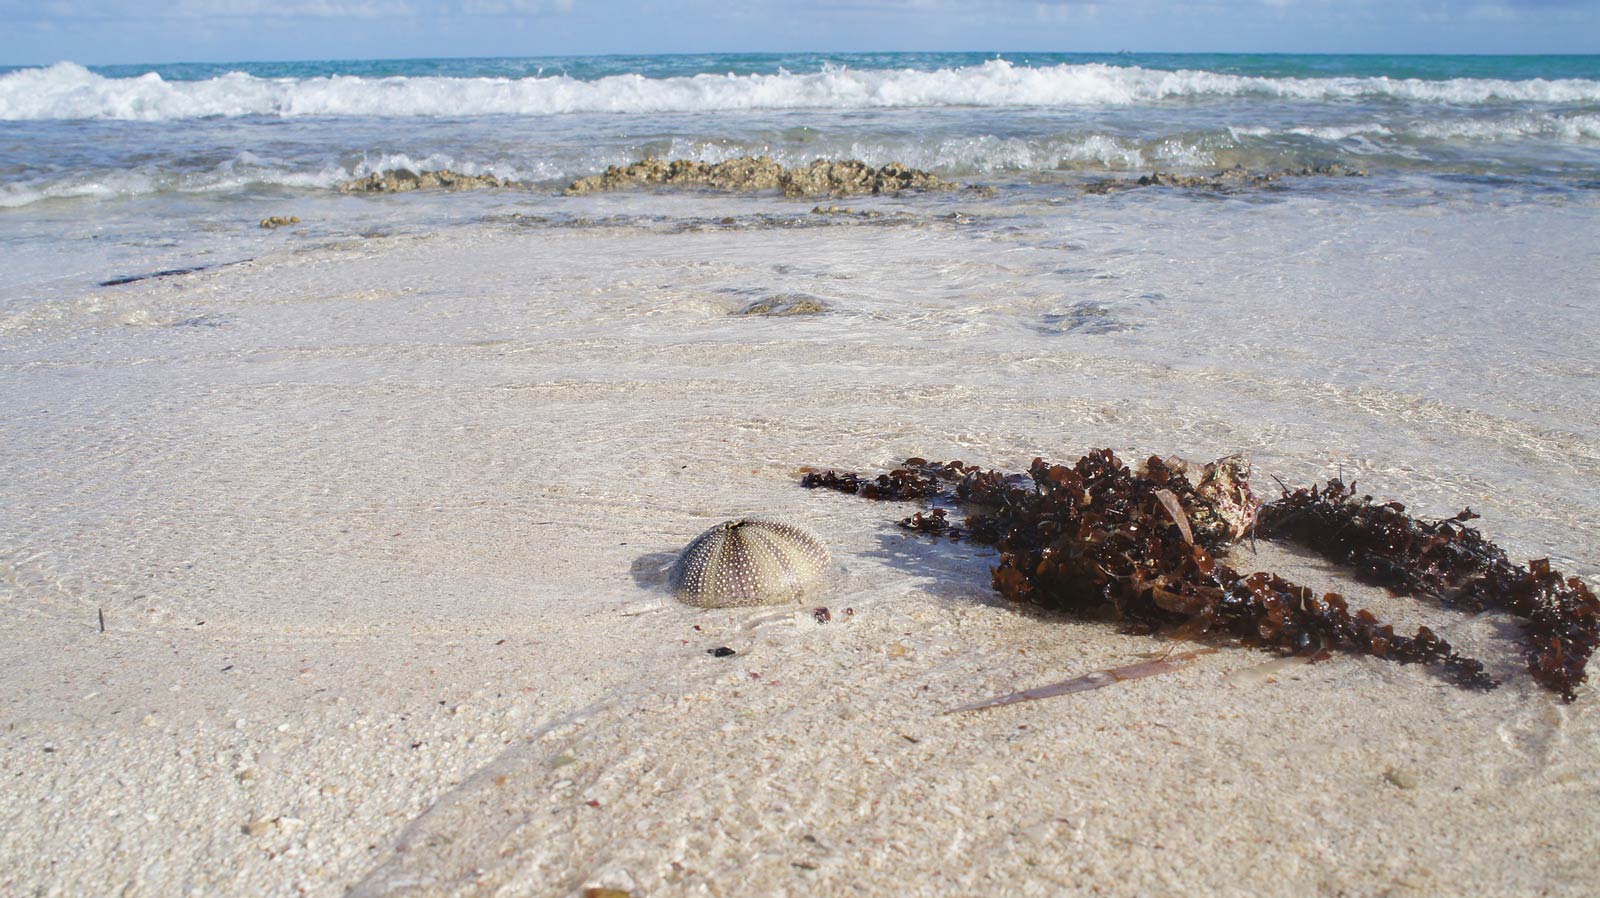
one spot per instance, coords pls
(201, 321)
(164, 273)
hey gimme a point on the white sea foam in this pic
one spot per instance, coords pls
(979, 153)
(1566, 128)
(1575, 128)
(70, 91)
(249, 170)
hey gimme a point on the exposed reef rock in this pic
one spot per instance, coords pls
(401, 180)
(1227, 181)
(754, 173)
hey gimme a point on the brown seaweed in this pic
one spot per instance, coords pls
(1146, 547)
(1451, 562)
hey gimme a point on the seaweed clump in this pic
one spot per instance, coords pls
(1147, 547)
(1451, 562)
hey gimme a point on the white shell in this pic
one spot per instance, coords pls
(749, 562)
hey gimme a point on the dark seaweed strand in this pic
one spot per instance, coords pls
(1453, 562)
(1094, 538)
(914, 479)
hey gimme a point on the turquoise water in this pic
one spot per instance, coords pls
(1266, 65)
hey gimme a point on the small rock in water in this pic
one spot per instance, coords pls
(278, 221)
(749, 562)
(783, 304)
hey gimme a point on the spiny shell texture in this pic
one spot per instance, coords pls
(749, 562)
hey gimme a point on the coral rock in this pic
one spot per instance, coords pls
(822, 177)
(402, 180)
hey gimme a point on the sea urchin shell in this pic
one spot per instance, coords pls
(749, 562)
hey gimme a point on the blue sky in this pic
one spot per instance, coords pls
(119, 31)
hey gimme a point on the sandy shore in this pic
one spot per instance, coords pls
(376, 531)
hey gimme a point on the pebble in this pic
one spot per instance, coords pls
(260, 826)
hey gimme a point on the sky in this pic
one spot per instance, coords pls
(40, 32)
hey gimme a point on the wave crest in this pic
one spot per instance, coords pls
(70, 91)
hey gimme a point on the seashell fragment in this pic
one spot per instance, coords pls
(749, 562)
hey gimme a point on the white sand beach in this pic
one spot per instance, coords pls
(377, 525)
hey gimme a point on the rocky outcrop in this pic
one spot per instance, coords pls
(403, 179)
(755, 173)
(1229, 180)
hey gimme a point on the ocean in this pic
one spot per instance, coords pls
(183, 152)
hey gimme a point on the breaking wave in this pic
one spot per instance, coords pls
(1540, 126)
(70, 91)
